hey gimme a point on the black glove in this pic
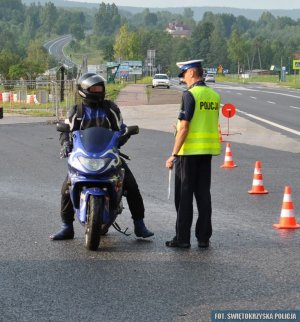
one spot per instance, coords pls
(65, 149)
(123, 140)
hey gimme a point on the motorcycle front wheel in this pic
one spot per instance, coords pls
(94, 221)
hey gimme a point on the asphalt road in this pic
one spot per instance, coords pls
(277, 108)
(250, 265)
(56, 46)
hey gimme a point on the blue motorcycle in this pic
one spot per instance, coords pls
(96, 178)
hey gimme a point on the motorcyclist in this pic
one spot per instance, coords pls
(95, 110)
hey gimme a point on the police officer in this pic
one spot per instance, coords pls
(196, 141)
(95, 110)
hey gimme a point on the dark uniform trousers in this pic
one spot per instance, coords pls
(193, 178)
(133, 196)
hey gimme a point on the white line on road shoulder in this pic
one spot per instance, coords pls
(270, 123)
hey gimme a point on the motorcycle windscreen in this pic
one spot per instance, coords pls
(98, 139)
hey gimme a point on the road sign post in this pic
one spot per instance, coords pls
(228, 110)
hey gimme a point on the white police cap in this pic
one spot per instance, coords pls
(185, 65)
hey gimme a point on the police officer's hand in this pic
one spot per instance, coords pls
(65, 149)
(170, 162)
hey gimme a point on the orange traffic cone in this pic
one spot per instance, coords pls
(257, 185)
(287, 217)
(228, 162)
(220, 133)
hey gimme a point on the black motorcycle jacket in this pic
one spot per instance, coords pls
(82, 116)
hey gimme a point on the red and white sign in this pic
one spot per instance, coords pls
(228, 110)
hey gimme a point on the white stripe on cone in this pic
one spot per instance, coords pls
(257, 182)
(287, 213)
(287, 198)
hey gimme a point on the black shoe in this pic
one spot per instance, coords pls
(176, 243)
(140, 229)
(103, 230)
(67, 232)
(203, 244)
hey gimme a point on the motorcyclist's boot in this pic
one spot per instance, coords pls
(66, 232)
(104, 230)
(140, 229)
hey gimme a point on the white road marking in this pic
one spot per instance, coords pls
(298, 108)
(240, 88)
(55, 42)
(270, 123)
(271, 102)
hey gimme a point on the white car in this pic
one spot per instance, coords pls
(161, 80)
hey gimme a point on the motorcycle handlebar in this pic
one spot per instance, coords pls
(129, 130)
(62, 127)
(132, 130)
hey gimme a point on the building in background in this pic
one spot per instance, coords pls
(178, 29)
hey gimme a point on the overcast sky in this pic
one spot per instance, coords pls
(246, 4)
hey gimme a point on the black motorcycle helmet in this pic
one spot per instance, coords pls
(86, 81)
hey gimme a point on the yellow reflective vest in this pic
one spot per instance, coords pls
(203, 136)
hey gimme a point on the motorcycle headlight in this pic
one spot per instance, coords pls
(91, 164)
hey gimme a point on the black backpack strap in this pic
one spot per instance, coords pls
(112, 114)
(79, 113)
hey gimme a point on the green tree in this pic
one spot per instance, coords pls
(218, 49)
(188, 13)
(108, 52)
(19, 71)
(49, 17)
(227, 21)
(236, 48)
(126, 45)
(200, 40)
(243, 25)
(36, 52)
(181, 51)
(32, 21)
(7, 59)
(37, 58)
(162, 43)
(266, 19)
(11, 10)
(77, 31)
(8, 37)
(107, 20)
(150, 18)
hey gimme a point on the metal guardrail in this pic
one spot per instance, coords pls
(37, 97)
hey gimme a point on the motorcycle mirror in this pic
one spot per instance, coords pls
(62, 127)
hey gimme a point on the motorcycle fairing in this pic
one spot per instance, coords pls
(94, 143)
(84, 196)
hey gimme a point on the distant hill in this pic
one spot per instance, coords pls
(252, 14)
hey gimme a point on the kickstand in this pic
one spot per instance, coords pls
(118, 228)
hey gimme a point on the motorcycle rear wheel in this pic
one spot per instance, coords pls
(94, 221)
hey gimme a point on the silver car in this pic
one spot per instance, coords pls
(210, 78)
